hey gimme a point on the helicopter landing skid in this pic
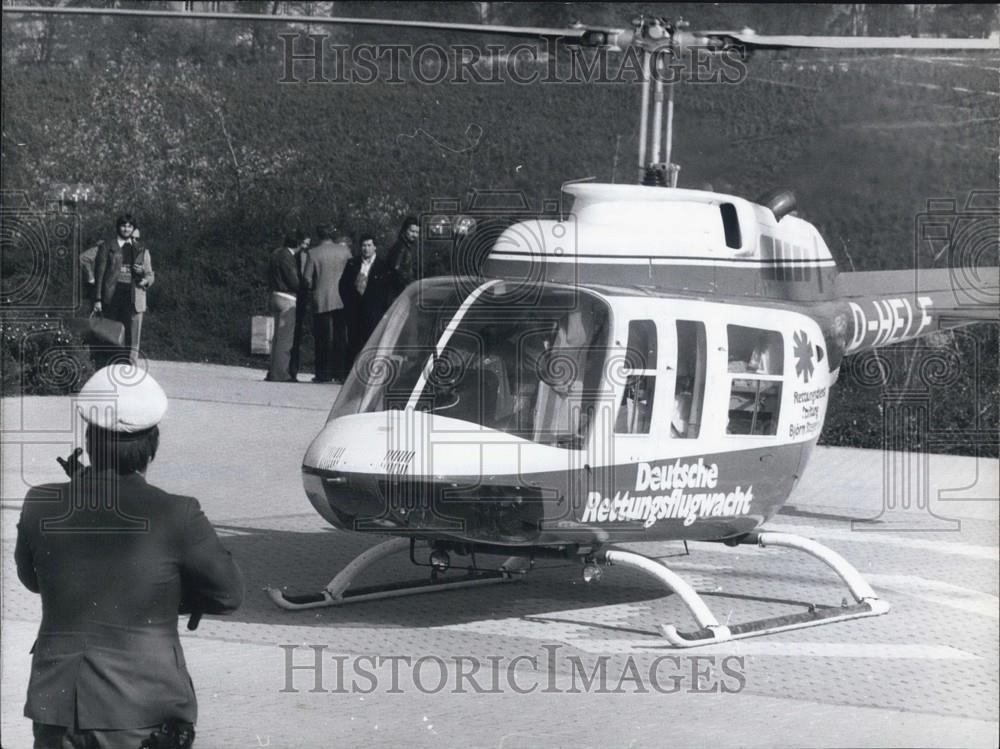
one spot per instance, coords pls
(710, 631)
(336, 592)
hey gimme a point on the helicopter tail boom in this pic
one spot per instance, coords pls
(886, 307)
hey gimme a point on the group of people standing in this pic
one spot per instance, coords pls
(347, 294)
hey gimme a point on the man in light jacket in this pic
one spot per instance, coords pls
(323, 271)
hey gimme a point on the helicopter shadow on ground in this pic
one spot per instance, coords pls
(303, 562)
(798, 512)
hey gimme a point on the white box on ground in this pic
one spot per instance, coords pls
(261, 334)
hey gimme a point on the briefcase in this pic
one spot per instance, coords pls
(98, 331)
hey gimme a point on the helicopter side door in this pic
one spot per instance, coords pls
(695, 377)
(771, 382)
(755, 365)
(658, 374)
(659, 382)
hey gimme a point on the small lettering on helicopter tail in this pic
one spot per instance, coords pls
(889, 320)
(677, 502)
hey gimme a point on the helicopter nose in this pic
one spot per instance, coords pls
(416, 471)
(409, 443)
(385, 443)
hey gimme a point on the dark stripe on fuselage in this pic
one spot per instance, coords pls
(672, 259)
(784, 281)
(695, 498)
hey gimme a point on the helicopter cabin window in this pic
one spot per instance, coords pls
(635, 411)
(756, 351)
(757, 357)
(487, 358)
(689, 392)
(731, 226)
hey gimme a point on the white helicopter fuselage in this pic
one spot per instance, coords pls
(656, 365)
(528, 410)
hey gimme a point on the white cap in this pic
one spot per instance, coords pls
(122, 398)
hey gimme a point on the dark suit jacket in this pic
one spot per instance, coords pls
(107, 264)
(284, 273)
(401, 260)
(364, 312)
(303, 262)
(113, 569)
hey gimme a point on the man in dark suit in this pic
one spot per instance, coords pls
(302, 303)
(284, 281)
(365, 289)
(324, 268)
(115, 560)
(403, 256)
(123, 270)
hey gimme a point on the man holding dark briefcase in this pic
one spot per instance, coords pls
(123, 271)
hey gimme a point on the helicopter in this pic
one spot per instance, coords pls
(652, 364)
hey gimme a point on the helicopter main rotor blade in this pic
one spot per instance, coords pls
(760, 41)
(589, 36)
(586, 35)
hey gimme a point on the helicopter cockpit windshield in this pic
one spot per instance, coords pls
(522, 358)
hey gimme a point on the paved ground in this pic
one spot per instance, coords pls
(510, 666)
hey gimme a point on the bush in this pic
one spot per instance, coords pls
(42, 358)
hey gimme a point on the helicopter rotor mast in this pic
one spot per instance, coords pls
(653, 36)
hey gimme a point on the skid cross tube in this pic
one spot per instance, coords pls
(336, 592)
(710, 631)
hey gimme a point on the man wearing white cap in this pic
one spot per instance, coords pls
(115, 560)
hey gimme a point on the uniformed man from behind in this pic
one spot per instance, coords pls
(115, 560)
